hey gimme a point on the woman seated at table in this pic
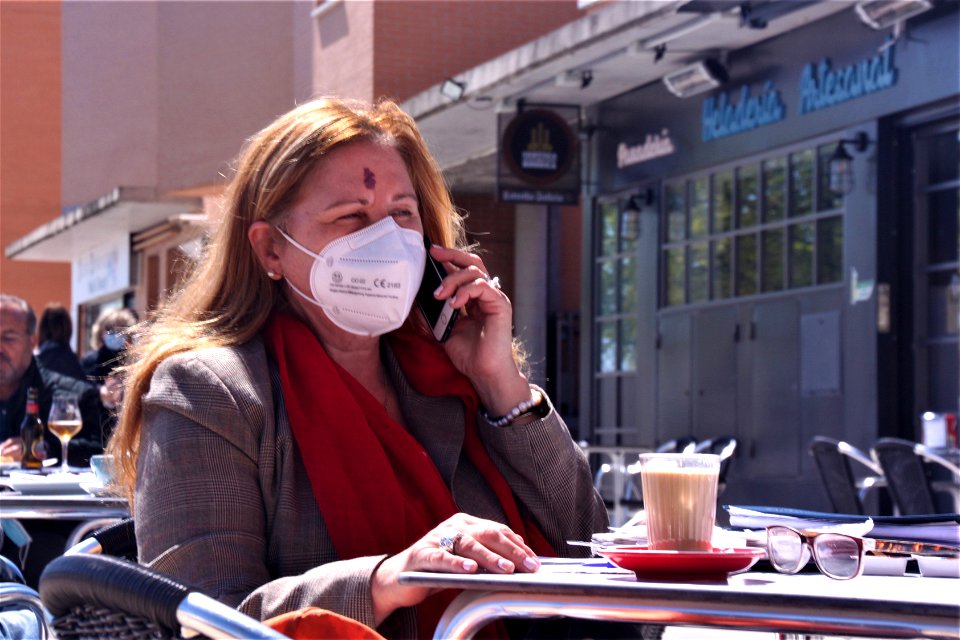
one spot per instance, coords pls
(295, 436)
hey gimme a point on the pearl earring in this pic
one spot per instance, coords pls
(271, 275)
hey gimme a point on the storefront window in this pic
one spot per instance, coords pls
(747, 197)
(676, 276)
(628, 285)
(616, 285)
(830, 250)
(608, 228)
(746, 265)
(699, 272)
(723, 201)
(676, 212)
(772, 260)
(801, 183)
(801, 255)
(788, 224)
(608, 287)
(699, 207)
(722, 269)
(774, 189)
(628, 344)
(608, 346)
(943, 209)
(943, 157)
(629, 230)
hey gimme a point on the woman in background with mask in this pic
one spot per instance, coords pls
(110, 337)
(295, 436)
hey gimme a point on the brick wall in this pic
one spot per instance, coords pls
(30, 153)
(490, 225)
(421, 42)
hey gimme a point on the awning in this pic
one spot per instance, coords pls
(122, 211)
(616, 43)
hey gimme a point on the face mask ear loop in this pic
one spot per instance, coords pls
(298, 245)
(303, 295)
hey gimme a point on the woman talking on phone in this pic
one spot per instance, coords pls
(295, 435)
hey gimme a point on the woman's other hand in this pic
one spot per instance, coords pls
(11, 450)
(111, 392)
(481, 343)
(479, 545)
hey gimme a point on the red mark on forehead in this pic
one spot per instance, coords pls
(369, 179)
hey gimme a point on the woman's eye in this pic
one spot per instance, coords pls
(351, 216)
(401, 213)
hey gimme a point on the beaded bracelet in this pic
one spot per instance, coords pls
(525, 407)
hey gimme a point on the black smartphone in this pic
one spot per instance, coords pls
(438, 313)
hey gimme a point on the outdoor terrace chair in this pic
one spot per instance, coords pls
(911, 470)
(21, 600)
(105, 597)
(834, 460)
(118, 539)
(683, 444)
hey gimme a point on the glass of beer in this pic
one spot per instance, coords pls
(64, 422)
(680, 499)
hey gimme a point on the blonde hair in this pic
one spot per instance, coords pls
(227, 299)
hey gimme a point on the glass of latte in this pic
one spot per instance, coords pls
(680, 499)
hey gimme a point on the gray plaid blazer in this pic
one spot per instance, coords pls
(223, 501)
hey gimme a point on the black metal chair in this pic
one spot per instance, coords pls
(910, 468)
(19, 604)
(846, 490)
(683, 444)
(118, 539)
(97, 596)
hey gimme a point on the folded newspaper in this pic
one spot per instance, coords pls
(942, 528)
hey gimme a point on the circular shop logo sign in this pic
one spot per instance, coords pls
(538, 146)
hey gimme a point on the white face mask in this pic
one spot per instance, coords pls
(366, 281)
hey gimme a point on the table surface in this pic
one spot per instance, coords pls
(879, 606)
(61, 507)
(66, 500)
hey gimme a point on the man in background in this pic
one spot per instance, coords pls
(33, 543)
(20, 370)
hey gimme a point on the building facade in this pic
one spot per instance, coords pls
(736, 290)
(720, 274)
(147, 103)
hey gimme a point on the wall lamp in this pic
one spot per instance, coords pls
(453, 89)
(699, 77)
(630, 214)
(880, 14)
(841, 163)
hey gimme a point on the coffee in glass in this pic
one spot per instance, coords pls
(680, 499)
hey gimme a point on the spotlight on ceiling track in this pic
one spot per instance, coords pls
(699, 77)
(574, 78)
(453, 89)
(881, 14)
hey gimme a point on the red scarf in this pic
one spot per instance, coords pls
(371, 478)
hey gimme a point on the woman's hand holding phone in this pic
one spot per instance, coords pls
(481, 343)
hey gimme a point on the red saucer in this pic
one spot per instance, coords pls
(681, 565)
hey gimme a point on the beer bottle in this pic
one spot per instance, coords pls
(32, 435)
